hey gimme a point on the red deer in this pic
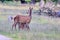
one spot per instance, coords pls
(23, 21)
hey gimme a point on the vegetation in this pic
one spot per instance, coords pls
(56, 1)
(24, 35)
(27, 1)
(49, 34)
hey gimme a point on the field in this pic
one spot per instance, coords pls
(41, 27)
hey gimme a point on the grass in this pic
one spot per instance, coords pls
(10, 3)
(43, 21)
(13, 36)
(31, 35)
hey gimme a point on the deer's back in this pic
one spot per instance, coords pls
(24, 19)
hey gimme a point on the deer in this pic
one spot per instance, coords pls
(23, 21)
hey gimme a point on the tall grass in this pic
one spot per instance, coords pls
(41, 28)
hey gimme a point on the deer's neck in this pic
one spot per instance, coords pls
(30, 12)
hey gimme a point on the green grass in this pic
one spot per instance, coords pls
(43, 21)
(40, 20)
(30, 35)
(11, 3)
(28, 0)
(13, 36)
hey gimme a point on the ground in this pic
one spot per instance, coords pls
(4, 38)
(41, 27)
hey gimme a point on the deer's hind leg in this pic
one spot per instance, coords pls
(14, 26)
(19, 25)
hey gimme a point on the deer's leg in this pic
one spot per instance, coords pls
(19, 25)
(14, 25)
(27, 26)
(22, 25)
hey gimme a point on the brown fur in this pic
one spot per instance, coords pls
(22, 21)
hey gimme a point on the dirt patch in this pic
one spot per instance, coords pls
(4, 38)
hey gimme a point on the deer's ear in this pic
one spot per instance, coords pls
(30, 7)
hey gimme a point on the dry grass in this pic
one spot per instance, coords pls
(37, 31)
(31, 35)
(19, 7)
